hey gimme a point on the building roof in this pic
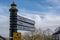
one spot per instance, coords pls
(58, 32)
(2, 38)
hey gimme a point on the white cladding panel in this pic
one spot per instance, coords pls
(25, 19)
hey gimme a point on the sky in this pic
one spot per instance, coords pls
(45, 13)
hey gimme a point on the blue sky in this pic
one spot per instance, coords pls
(45, 13)
(33, 5)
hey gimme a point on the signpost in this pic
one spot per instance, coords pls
(25, 24)
(18, 23)
(16, 36)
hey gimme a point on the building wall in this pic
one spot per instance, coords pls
(56, 37)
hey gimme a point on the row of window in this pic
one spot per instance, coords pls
(56, 37)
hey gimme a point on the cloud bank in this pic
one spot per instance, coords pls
(49, 19)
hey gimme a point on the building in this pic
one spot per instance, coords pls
(2, 38)
(56, 35)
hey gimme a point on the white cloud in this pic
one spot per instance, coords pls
(55, 3)
(4, 25)
(49, 20)
(4, 9)
(4, 21)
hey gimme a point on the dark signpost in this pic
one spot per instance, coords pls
(13, 19)
(18, 22)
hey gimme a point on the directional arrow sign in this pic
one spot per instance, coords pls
(26, 28)
(26, 20)
(25, 24)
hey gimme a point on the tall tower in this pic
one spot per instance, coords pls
(13, 19)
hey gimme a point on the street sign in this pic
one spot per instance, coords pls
(25, 24)
(26, 20)
(16, 36)
(32, 29)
